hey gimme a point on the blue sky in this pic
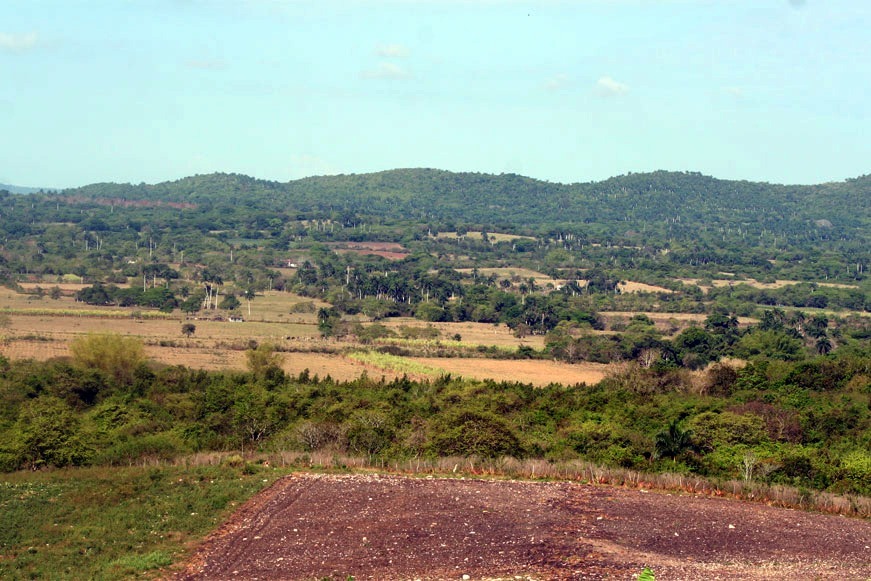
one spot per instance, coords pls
(132, 91)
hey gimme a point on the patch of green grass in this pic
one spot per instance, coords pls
(135, 563)
(113, 523)
(395, 363)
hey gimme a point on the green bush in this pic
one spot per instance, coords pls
(47, 433)
(472, 433)
(152, 446)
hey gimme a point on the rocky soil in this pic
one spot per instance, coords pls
(310, 526)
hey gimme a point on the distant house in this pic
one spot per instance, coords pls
(291, 264)
(236, 319)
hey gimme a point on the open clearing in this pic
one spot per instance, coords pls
(760, 285)
(630, 286)
(472, 333)
(491, 236)
(368, 526)
(534, 371)
(339, 367)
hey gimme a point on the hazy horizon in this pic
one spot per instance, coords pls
(564, 91)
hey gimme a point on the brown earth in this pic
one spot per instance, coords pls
(311, 526)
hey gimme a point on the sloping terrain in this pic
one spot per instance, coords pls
(387, 527)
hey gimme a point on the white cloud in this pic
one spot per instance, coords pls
(18, 42)
(557, 82)
(387, 70)
(735, 91)
(392, 51)
(608, 87)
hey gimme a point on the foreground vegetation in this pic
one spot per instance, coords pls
(804, 423)
(118, 523)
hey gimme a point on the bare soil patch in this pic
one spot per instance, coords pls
(389, 250)
(388, 527)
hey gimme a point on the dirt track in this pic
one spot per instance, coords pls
(388, 527)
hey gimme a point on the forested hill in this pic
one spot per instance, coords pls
(509, 200)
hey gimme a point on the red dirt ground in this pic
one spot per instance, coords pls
(389, 250)
(311, 526)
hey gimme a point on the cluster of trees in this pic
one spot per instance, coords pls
(805, 423)
(156, 297)
(780, 335)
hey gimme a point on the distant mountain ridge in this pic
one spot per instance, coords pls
(512, 201)
(24, 189)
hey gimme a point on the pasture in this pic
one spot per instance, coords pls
(42, 329)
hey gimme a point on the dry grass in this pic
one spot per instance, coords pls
(11, 300)
(509, 272)
(778, 283)
(472, 333)
(493, 237)
(66, 287)
(534, 371)
(665, 317)
(761, 285)
(578, 470)
(270, 306)
(640, 287)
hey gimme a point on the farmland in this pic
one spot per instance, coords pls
(42, 329)
(225, 320)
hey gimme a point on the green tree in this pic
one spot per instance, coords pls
(229, 303)
(328, 321)
(115, 355)
(264, 363)
(188, 329)
(48, 434)
(672, 441)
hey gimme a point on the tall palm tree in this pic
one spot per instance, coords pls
(823, 345)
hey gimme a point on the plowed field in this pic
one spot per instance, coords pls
(389, 527)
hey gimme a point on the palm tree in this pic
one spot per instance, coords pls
(823, 345)
(671, 441)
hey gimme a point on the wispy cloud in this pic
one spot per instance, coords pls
(557, 82)
(608, 87)
(735, 91)
(798, 3)
(392, 51)
(387, 70)
(18, 42)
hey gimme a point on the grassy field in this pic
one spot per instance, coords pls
(405, 365)
(533, 371)
(509, 272)
(493, 237)
(42, 329)
(640, 287)
(470, 333)
(760, 285)
(115, 523)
